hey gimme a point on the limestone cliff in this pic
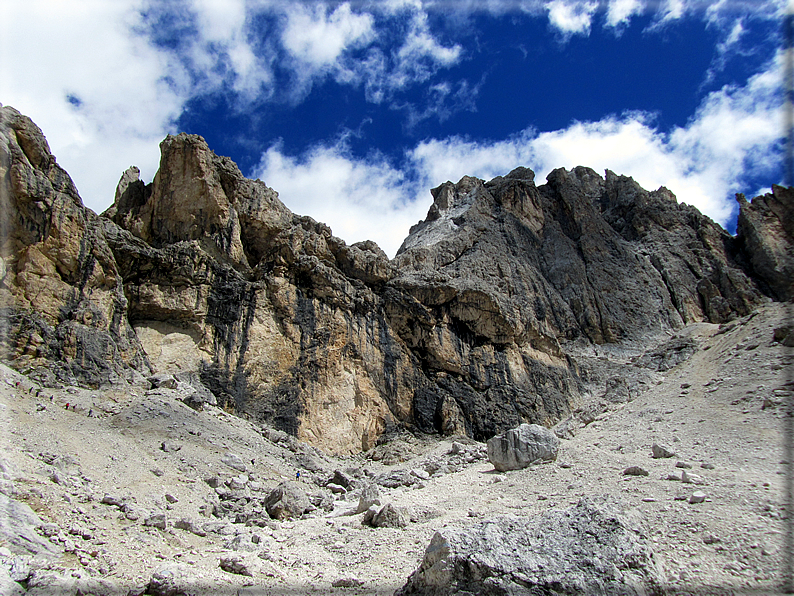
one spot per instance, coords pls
(470, 329)
(64, 313)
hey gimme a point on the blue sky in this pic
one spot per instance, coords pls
(352, 111)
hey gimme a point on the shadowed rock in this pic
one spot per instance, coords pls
(592, 548)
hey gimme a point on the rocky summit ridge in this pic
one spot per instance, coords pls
(493, 312)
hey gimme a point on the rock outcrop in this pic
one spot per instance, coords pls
(592, 548)
(766, 229)
(64, 312)
(471, 329)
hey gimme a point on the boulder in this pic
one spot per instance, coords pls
(595, 547)
(171, 579)
(370, 495)
(522, 446)
(287, 500)
(389, 516)
(235, 462)
(18, 523)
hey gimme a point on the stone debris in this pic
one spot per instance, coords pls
(697, 497)
(660, 451)
(690, 478)
(635, 471)
(347, 582)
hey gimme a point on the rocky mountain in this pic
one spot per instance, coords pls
(492, 313)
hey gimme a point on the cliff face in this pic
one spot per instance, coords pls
(64, 313)
(468, 330)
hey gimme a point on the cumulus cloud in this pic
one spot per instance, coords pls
(106, 81)
(735, 130)
(318, 38)
(359, 199)
(93, 85)
(571, 17)
(619, 12)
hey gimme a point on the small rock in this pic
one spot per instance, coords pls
(710, 539)
(234, 461)
(131, 513)
(347, 582)
(235, 564)
(635, 471)
(20, 569)
(190, 526)
(170, 447)
(171, 498)
(369, 514)
(660, 451)
(156, 521)
(697, 497)
(237, 482)
(689, 478)
(342, 479)
(675, 475)
(213, 481)
(707, 466)
(163, 380)
(683, 464)
(336, 488)
(112, 500)
(170, 579)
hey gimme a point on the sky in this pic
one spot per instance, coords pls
(354, 110)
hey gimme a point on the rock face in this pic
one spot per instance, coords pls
(205, 275)
(64, 312)
(519, 447)
(766, 227)
(592, 548)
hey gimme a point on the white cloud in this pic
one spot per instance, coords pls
(571, 17)
(735, 130)
(358, 199)
(318, 38)
(702, 163)
(121, 105)
(419, 57)
(126, 91)
(619, 12)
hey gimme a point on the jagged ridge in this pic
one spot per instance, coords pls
(471, 329)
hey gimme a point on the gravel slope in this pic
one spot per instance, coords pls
(148, 452)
